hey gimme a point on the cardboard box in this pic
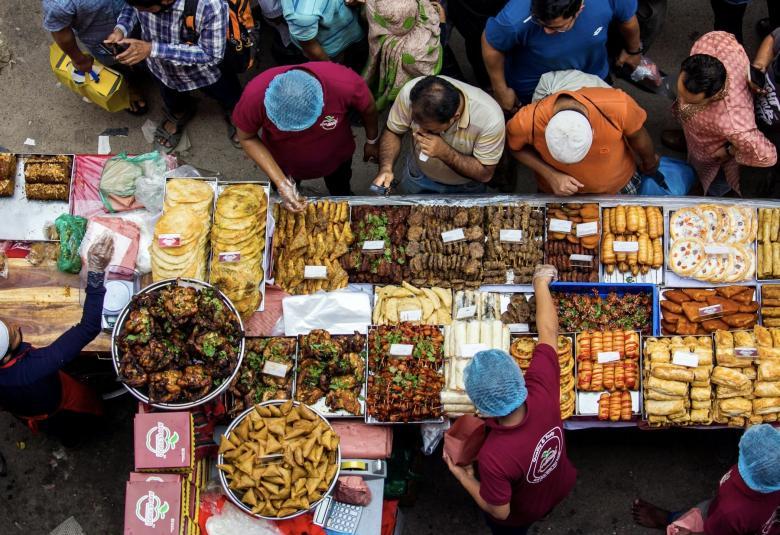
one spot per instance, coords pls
(153, 508)
(163, 441)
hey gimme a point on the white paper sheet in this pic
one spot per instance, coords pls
(341, 312)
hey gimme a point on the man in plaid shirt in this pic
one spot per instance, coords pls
(179, 67)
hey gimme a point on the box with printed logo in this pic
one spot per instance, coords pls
(163, 441)
(153, 507)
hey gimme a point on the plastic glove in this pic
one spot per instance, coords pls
(546, 271)
(100, 253)
(291, 199)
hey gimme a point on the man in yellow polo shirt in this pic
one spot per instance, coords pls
(457, 137)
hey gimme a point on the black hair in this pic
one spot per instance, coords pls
(703, 74)
(435, 99)
(547, 10)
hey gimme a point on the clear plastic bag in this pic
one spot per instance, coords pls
(231, 520)
(432, 435)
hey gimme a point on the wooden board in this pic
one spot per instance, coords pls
(44, 302)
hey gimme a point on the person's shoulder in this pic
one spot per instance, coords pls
(606, 97)
(481, 101)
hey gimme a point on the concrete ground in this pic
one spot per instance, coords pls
(46, 484)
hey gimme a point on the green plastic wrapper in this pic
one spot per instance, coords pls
(71, 229)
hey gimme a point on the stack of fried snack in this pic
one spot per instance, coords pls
(770, 305)
(426, 306)
(684, 311)
(768, 251)
(181, 235)
(238, 245)
(733, 376)
(47, 178)
(766, 389)
(522, 350)
(7, 174)
(677, 394)
(643, 226)
(318, 236)
(622, 374)
(503, 254)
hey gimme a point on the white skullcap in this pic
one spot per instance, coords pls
(5, 339)
(568, 136)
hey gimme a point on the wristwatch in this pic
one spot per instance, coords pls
(636, 52)
(374, 141)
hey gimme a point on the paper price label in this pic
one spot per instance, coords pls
(232, 256)
(519, 328)
(587, 229)
(410, 315)
(712, 311)
(315, 272)
(277, 369)
(466, 312)
(685, 358)
(374, 246)
(625, 246)
(510, 277)
(510, 235)
(469, 350)
(604, 357)
(401, 350)
(560, 225)
(450, 236)
(746, 352)
(717, 249)
(169, 240)
(581, 258)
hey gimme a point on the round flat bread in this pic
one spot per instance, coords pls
(686, 255)
(188, 190)
(714, 267)
(688, 223)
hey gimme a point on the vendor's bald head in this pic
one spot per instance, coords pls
(10, 338)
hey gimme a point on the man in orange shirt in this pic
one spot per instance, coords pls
(584, 141)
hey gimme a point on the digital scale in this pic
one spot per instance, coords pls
(339, 518)
(121, 285)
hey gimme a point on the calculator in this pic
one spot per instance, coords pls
(338, 517)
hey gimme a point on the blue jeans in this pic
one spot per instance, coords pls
(414, 182)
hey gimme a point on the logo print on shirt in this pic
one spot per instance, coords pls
(329, 122)
(598, 31)
(725, 478)
(546, 455)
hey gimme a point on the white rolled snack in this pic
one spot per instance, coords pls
(671, 372)
(671, 388)
(448, 397)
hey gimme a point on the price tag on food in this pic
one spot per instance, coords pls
(587, 229)
(625, 246)
(510, 235)
(710, 312)
(581, 259)
(169, 240)
(466, 312)
(519, 328)
(746, 352)
(469, 350)
(373, 246)
(604, 357)
(685, 358)
(560, 225)
(401, 350)
(717, 249)
(232, 256)
(410, 315)
(277, 369)
(315, 272)
(510, 276)
(450, 236)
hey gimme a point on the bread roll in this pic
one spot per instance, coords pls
(701, 415)
(701, 394)
(769, 370)
(671, 372)
(671, 388)
(724, 392)
(735, 407)
(729, 377)
(664, 408)
(768, 352)
(767, 389)
(766, 405)
(744, 339)
(723, 339)
(763, 336)
(701, 404)
(659, 396)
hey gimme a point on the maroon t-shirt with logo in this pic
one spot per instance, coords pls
(526, 465)
(739, 510)
(320, 149)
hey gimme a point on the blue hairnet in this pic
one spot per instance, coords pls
(759, 458)
(495, 383)
(294, 100)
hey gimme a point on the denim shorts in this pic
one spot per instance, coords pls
(414, 182)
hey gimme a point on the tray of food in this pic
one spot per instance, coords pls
(331, 373)
(522, 350)
(689, 311)
(378, 255)
(407, 303)
(267, 373)
(676, 380)
(513, 247)
(632, 244)
(601, 306)
(34, 191)
(572, 244)
(238, 244)
(405, 376)
(770, 305)
(278, 460)
(308, 247)
(711, 244)
(768, 244)
(446, 246)
(177, 344)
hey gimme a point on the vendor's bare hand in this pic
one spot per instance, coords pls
(114, 37)
(371, 152)
(431, 145)
(628, 59)
(563, 184)
(459, 471)
(651, 166)
(136, 52)
(507, 99)
(291, 199)
(384, 179)
(100, 253)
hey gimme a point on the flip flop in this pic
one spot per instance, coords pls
(161, 135)
(139, 108)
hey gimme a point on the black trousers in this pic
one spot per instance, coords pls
(226, 91)
(469, 17)
(338, 182)
(728, 17)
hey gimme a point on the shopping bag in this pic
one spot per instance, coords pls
(464, 439)
(110, 92)
(674, 177)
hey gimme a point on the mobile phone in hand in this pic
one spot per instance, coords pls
(113, 49)
(757, 77)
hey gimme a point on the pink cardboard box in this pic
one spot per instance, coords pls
(155, 478)
(163, 441)
(152, 508)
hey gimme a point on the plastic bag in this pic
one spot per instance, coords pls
(71, 229)
(231, 520)
(150, 191)
(145, 221)
(432, 434)
(674, 177)
(121, 172)
(647, 72)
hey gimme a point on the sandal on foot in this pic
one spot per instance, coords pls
(165, 141)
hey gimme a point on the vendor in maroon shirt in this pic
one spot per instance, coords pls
(748, 499)
(293, 122)
(523, 468)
